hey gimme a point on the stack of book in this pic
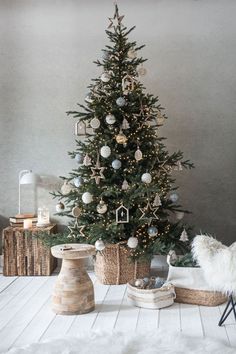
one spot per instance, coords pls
(18, 220)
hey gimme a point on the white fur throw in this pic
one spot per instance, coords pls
(217, 261)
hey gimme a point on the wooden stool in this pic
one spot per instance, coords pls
(73, 292)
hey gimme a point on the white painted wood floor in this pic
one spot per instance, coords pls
(26, 316)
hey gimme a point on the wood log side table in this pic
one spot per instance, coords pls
(73, 291)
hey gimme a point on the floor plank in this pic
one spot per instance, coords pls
(148, 320)
(13, 290)
(25, 315)
(5, 282)
(106, 318)
(210, 317)
(190, 318)
(229, 325)
(16, 303)
(127, 317)
(169, 318)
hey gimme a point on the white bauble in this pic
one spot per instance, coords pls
(88, 98)
(105, 77)
(139, 283)
(138, 154)
(110, 119)
(116, 164)
(99, 245)
(95, 123)
(60, 207)
(174, 197)
(132, 242)
(121, 102)
(105, 151)
(87, 197)
(66, 188)
(102, 207)
(146, 178)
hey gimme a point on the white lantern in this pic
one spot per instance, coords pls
(132, 242)
(87, 197)
(146, 178)
(105, 151)
(99, 245)
(43, 217)
(95, 123)
(110, 119)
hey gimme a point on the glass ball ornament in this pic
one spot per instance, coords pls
(138, 154)
(88, 98)
(146, 178)
(121, 102)
(95, 123)
(174, 197)
(110, 119)
(99, 245)
(179, 215)
(78, 181)
(132, 54)
(105, 77)
(76, 212)
(87, 198)
(121, 138)
(132, 242)
(105, 151)
(105, 55)
(60, 207)
(142, 71)
(116, 164)
(152, 231)
(102, 207)
(79, 158)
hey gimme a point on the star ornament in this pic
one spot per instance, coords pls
(97, 172)
(74, 229)
(116, 19)
(148, 213)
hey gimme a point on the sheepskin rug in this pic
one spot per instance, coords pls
(217, 261)
(162, 342)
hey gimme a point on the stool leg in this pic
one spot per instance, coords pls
(225, 313)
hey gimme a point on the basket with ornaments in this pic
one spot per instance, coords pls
(150, 293)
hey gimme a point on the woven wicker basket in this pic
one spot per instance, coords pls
(199, 297)
(113, 266)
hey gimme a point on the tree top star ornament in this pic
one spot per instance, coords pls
(116, 20)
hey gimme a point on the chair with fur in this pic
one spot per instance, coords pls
(219, 266)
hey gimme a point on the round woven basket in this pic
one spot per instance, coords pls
(199, 297)
(114, 266)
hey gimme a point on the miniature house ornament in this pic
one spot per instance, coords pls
(122, 215)
(80, 128)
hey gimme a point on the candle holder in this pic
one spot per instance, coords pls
(27, 224)
(43, 217)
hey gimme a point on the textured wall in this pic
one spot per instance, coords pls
(46, 53)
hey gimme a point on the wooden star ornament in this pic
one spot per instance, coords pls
(148, 213)
(116, 19)
(97, 172)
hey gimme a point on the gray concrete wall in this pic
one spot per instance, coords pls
(46, 53)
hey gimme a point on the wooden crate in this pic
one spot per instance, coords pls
(25, 255)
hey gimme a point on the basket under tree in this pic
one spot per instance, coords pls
(121, 193)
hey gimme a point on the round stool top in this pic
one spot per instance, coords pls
(73, 251)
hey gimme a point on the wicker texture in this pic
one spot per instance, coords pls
(199, 297)
(113, 266)
(24, 255)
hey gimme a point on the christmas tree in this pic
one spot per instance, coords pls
(123, 189)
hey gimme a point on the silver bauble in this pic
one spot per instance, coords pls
(79, 158)
(132, 54)
(121, 102)
(132, 242)
(95, 123)
(105, 151)
(87, 197)
(110, 119)
(152, 231)
(174, 197)
(146, 178)
(102, 207)
(116, 164)
(66, 188)
(105, 77)
(60, 207)
(78, 181)
(99, 245)
(88, 98)
(76, 211)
